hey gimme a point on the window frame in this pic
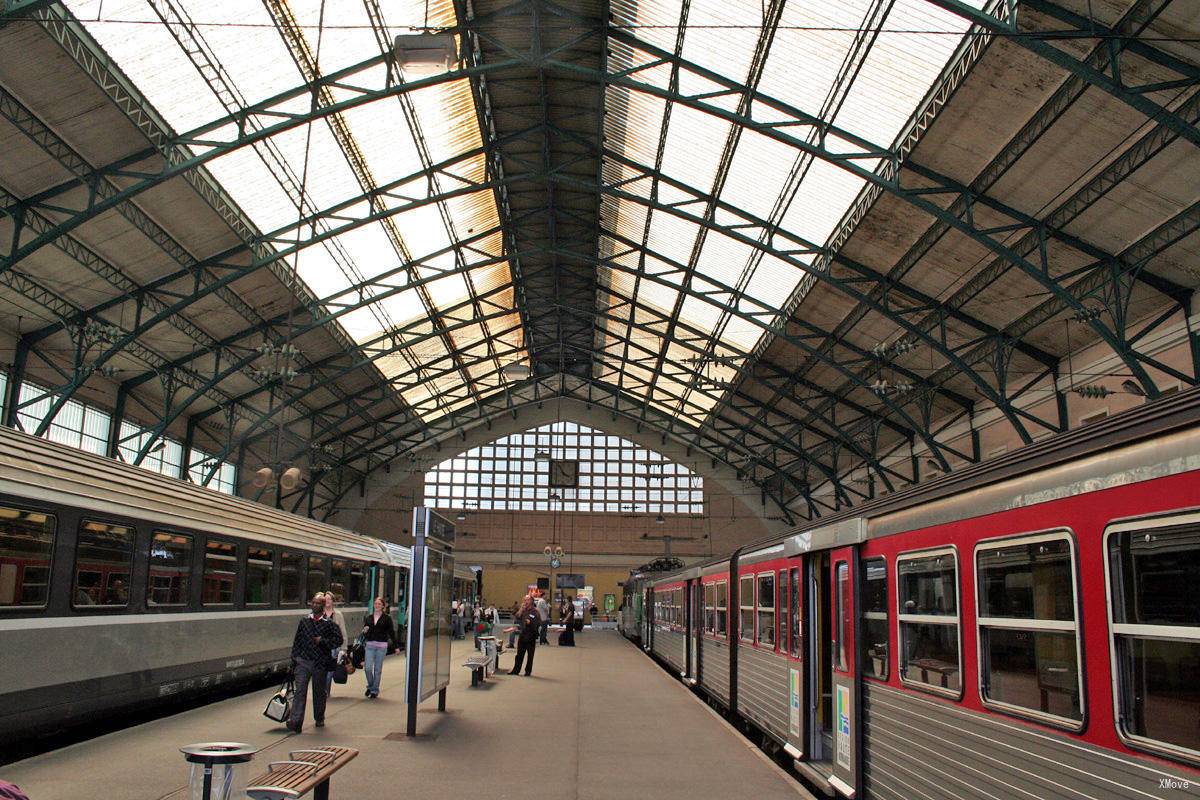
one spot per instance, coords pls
(933, 619)
(51, 561)
(1169, 632)
(301, 578)
(842, 590)
(885, 615)
(721, 631)
(193, 577)
(759, 609)
(742, 637)
(272, 592)
(133, 549)
(1032, 625)
(238, 562)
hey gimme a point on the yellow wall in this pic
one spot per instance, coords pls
(504, 585)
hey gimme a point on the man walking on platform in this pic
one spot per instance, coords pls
(528, 623)
(316, 637)
(543, 610)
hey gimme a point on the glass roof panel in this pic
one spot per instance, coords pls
(824, 60)
(257, 47)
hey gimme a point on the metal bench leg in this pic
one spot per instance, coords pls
(322, 790)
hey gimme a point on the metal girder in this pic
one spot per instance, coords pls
(1097, 281)
(761, 318)
(1037, 43)
(778, 131)
(1136, 19)
(783, 131)
(694, 333)
(285, 242)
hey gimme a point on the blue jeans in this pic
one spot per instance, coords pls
(373, 664)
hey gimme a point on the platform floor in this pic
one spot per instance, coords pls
(596, 722)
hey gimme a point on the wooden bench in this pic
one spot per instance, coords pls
(479, 665)
(306, 771)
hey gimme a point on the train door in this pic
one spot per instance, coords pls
(844, 683)
(695, 618)
(794, 645)
(647, 619)
(819, 657)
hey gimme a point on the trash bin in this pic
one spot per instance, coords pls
(487, 646)
(218, 770)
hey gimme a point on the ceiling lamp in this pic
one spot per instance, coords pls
(659, 520)
(460, 516)
(426, 53)
(516, 371)
(541, 455)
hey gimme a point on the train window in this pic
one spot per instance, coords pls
(928, 615)
(26, 548)
(795, 613)
(316, 576)
(1153, 573)
(260, 562)
(710, 608)
(220, 573)
(875, 623)
(746, 605)
(103, 558)
(766, 609)
(170, 569)
(1028, 640)
(841, 600)
(291, 587)
(722, 606)
(358, 583)
(339, 579)
(782, 605)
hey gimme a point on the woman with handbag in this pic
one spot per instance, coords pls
(380, 634)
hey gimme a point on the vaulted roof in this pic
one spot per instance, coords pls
(803, 237)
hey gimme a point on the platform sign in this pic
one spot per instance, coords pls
(430, 586)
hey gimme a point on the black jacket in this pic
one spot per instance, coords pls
(382, 631)
(318, 652)
(530, 623)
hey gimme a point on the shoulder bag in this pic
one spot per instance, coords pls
(279, 707)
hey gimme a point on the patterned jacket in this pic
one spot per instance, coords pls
(328, 634)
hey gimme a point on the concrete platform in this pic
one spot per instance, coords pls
(595, 722)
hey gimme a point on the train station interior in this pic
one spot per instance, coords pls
(807, 387)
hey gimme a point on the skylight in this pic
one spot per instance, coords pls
(260, 50)
(813, 64)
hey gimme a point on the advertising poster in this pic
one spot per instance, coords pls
(794, 704)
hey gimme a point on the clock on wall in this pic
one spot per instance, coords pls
(564, 474)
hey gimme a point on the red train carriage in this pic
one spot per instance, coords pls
(1025, 628)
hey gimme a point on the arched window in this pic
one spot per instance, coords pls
(564, 466)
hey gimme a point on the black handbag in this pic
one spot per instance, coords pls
(358, 652)
(340, 675)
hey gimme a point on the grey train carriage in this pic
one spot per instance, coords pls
(1025, 628)
(121, 588)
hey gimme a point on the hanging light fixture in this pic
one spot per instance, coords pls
(426, 53)
(659, 520)
(515, 371)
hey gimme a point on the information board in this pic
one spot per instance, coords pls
(430, 587)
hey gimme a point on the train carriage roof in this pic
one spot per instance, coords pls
(55, 473)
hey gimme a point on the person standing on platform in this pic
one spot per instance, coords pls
(543, 610)
(316, 637)
(529, 622)
(567, 637)
(334, 615)
(381, 637)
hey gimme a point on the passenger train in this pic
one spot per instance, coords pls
(121, 588)
(1025, 628)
